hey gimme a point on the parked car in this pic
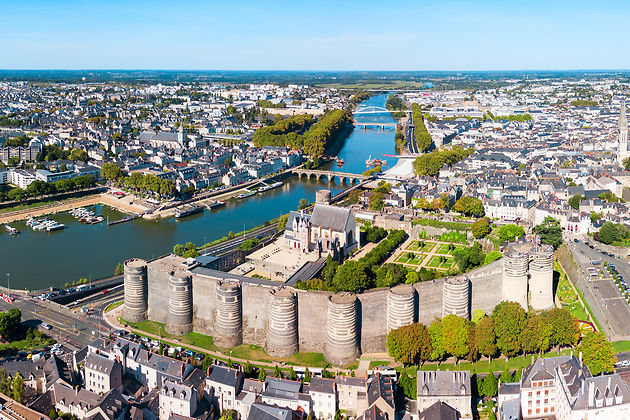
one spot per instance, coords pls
(46, 326)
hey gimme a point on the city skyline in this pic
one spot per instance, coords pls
(453, 36)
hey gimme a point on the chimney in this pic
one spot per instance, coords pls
(608, 381)
(580, 357)
(182, 370)
(591, 393)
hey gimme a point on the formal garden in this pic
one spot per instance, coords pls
(569, 299)
(430, 254)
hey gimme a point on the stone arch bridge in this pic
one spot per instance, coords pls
(330, 175)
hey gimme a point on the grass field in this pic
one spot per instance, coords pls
(427, 246)
(436, 262)
(114, 305)
(415, 260)
(244, 351)
(445, 251)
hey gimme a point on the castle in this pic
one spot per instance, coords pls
(236, 309)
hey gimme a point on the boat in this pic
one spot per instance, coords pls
(216, 204)
(245, 194)
(91, 220)
(340, 162)
(55, 226)
(12, 231)
(187, 211)
(269, 187)
(372, 163)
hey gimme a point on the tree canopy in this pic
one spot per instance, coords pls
(469, 206)
(598, 353)
(549, 231)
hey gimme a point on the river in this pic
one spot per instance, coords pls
(37, 260)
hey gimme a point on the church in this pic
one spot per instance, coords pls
(622, 137)
(328, 229)
(164, 139)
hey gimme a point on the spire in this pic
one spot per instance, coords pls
(623, 120)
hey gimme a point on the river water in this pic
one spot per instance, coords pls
(37, 260)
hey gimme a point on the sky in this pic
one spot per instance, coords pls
(315, 35)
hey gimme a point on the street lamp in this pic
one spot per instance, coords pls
(9, 282)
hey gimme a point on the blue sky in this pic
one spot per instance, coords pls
(315, 35)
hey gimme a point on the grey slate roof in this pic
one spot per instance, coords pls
(331, 217)
(439, 411)
(261, 411)
(443, 383)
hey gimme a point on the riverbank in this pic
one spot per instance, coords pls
(124, 204)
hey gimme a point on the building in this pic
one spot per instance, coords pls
(324, 396)
(164, 139)
(622, 136)
(178, 399)
(381, 395)
(452, 388)
(582, 396)
(328, 229)
(223, 384)
(102, 374)
(538, 387)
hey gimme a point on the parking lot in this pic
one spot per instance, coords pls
(602, 287)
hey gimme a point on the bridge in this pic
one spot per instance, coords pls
(377, 110)
(365, 125)
(330, 175)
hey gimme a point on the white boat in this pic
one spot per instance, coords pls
(12, 231)
(269, 187)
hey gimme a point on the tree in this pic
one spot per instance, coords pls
(18, 388)
(549, 231)
(536, 334)
(506, 376)
(469, 206)
(79, 154)
(231, 235)
(576, 200)
(485, 337)
(352, 277)
(13, 161)
(409, 344)
(179, 249)
(480, 228)
(598, 353)
(509, 320)
(307, 375)
(611, 232)
(455, 335)
(303, 204)
(626, 163)
(376, 202)
(408, 385)
(120, 269)
(111, 171)
(53, 413)
(565, 329)
(228, 161)
(489, 386)
(412, 277)
(510, 232)
(292, 375)
(437, 341)
(277, 373)
(262, 374)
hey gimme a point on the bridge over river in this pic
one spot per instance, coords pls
(330, 175)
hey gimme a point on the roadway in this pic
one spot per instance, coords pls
(231, 244)
(73, 331)
(603, 292)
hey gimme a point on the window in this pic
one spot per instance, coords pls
(529, 394)
(538, 411)
(529, 411)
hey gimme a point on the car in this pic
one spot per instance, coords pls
(199, 357)
(46, 326)
(576, 241)
(188, 353)
(104, 291)
(70, 290)
(62, 292)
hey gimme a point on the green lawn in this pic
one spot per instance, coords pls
(415, 246)
(621, 346)
(244, 351)
(375, 363)
(114, 305)
(445, 251)
(444, 265)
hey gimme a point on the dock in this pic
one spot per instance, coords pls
(126, 219)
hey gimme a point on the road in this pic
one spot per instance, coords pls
(411, 136)
(605, 292)
(231, 244)
(74, 331)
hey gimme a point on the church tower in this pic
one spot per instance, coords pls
(622, 135)
(181, 135)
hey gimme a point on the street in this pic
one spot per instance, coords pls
(231, 244)
(605, 292)
(72, 331)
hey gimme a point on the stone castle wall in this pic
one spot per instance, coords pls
(312, 306)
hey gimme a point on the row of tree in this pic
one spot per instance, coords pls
(325, 131)
(423, 138)
(430, 164)
(611, 232)
(469, 206)
(285, 132)
(39, 188)
(509, 331)
(139, 182)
